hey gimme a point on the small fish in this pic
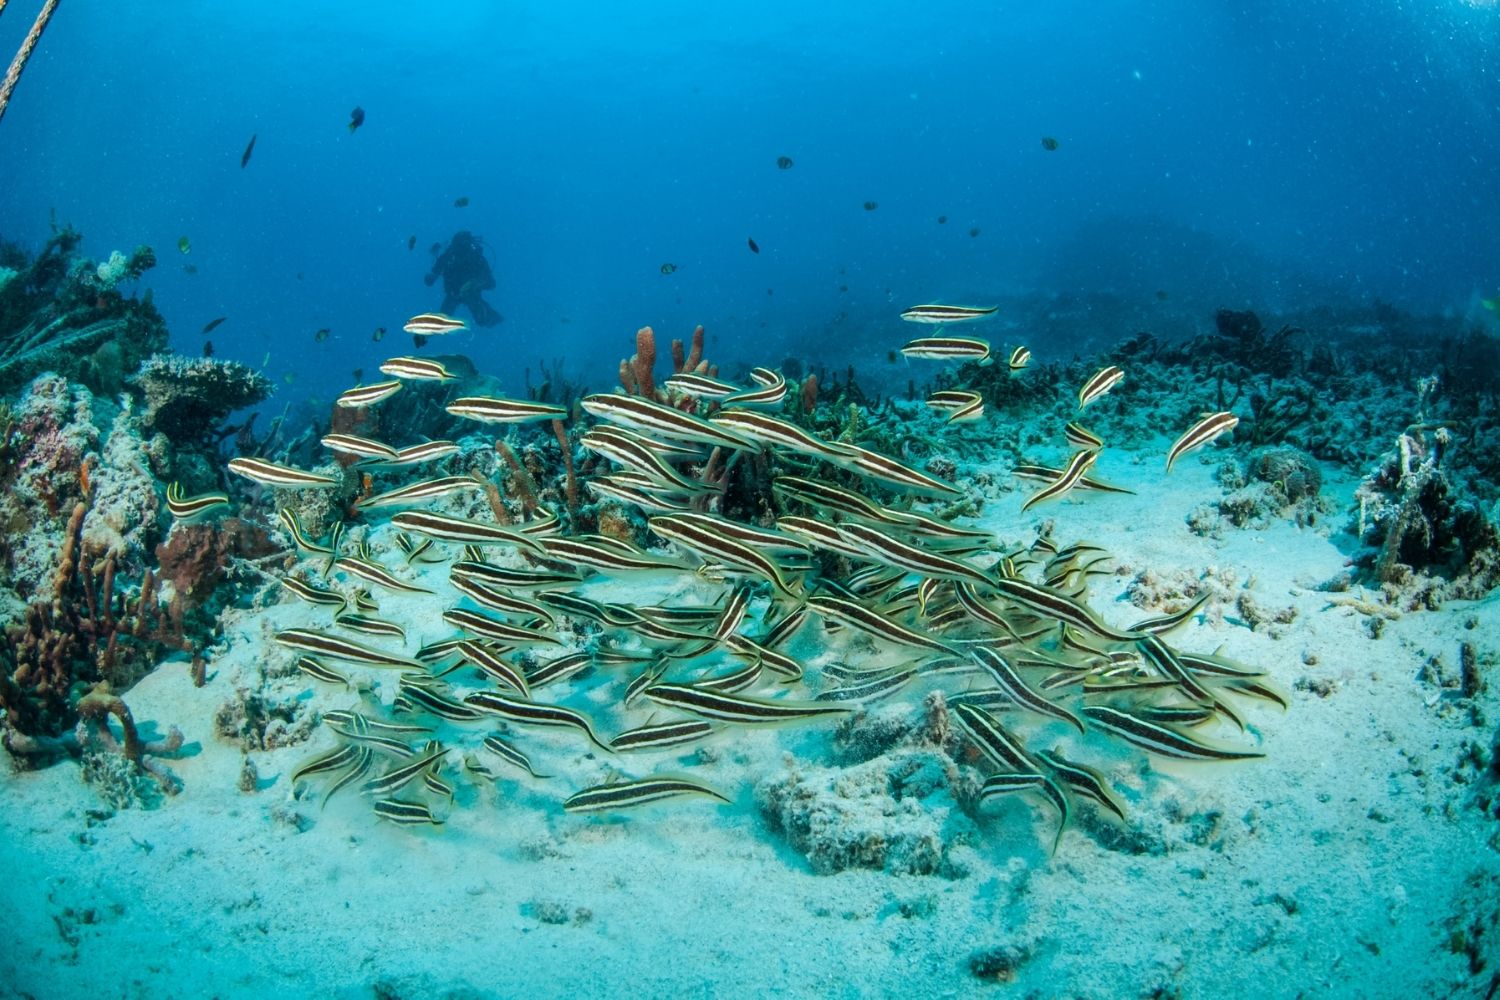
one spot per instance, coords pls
(1019, 358)
(1079, 464)
(189, 509)
(374, 573)
(433, 323)
(365, 395)
(974, 232)
(350, 444)
(461, 202)
(245, 156)
(493, 410)
(270, 474)
(289, 378)
(937, 313)
(526, 712)
(417, 368)
(418, 492)
(1049, 143)
(871, 206)
(656, 418)
(1081, 437)
(378, 335)
(320, 671)
(942, 220)
(208, 348)
(183, 245)
(411, 242)
(628, 794)
(754, 248)
(406, 812)
(1159, 739)
(418, 340)
(309, 641)
(784, 162)
(888, 470)
(1201, 434)
(662, 735)
(190, 269)
(213, 324)
(1098, 384)
(668, 268)
(427, 451)
(356, 119)
(370, 626)
(741, 710)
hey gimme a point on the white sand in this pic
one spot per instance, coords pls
(1332, 867)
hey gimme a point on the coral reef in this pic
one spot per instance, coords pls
(91, 629)
(188, 399)
(65, 314)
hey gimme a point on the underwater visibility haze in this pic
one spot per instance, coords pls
(830, 500)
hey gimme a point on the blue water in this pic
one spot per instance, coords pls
(1257, 154)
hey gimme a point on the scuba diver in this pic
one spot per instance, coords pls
(465, 275)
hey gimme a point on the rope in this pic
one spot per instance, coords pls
(13, 75)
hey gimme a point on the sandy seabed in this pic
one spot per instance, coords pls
(1350, 861)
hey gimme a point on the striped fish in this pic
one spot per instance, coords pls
(700, 386)
(433, 324)
(893, 552)
(736, 708)
(935, 313)
(367, 395)
(190, 509)
(314, 594)
(592, 555)
(447, 528)
(526, 712)
(948, 349)
(1053, 603)
(888, 470)
(370, 626)
(788, 669)
(858, 616)
(500, 631)
(320, 671)
(258, 470)
(657, 418)
(427, 451)
(559, 669)
(497, 599)
(823, 496)
(1007, 753)
(662, 735)
(373, 573)
(633, 451)
(616, 488)
(321, 644)
(419, 697)
(1098, 384)
(1159, 739)
(967, 414)
(511, 755)
(768, 430)
(887, 682)
(1045, 474)
(1084, 780)
(417, 368)
(427, 489)
(947, 400)
(493, 410)
(710, 541)
(520, 579)
(1201, 434)
(406, 812)
(333, 760)
(1080, 463)
(1019, 359)
(351, 444)
(496, 666)
(771, 390)
(1080, 436)
(629, 794)
(1010, 681)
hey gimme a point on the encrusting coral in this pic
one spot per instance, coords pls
(188, 398)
